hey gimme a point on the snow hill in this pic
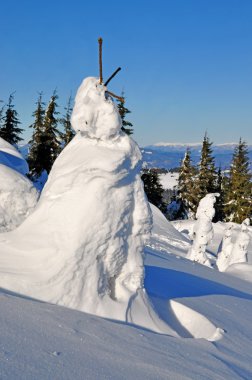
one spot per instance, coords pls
(44, 341)
(168, 155)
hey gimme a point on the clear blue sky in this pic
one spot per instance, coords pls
(186, 64)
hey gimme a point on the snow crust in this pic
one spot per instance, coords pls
(18, 198)
(11, 157)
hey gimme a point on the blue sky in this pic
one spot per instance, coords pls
(186, 64)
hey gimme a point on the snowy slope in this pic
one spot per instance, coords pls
(44, 341)
(168, 180)
(11, 157)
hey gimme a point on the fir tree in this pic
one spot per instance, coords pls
(238, 200)
(206, 179)
(123, 111)
(66, 122)
(37, 156)
(219, 205)
(10, 130)
(186, 193)
(51, 135)
(153, 188)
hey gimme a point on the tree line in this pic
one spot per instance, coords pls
(51, 132)
(234, 185)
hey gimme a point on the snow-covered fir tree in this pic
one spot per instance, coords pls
(238, 199)
(123, 111)
(203, 230)
(186, 195)
(206, 179)
(240, 248)
(37, 152)
(52, 136)
(153, 188)
(225, 249)
(10, 130)
(66, 122)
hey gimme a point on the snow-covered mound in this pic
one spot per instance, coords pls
(164, 235)
(82, 247)
(18, 198)
(11, 157)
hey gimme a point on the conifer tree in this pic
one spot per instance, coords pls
(37, 153)
(219, 205)
(123, 111)
(51, 135)
(66, 122)
(206, 179)
(10, 130)
(153, 188)
(238, 200)
(186, 193)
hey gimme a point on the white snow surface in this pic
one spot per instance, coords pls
(11, 157)
(169, 180)
(18, 198)
(43, 341)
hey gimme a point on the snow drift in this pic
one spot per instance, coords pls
(18, 197)
(11, 157)
(82, 247)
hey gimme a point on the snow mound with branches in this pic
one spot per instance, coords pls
(18, 197)
(82, 247)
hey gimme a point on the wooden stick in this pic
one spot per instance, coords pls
(116, 96)
(100, 58)
(112, 76)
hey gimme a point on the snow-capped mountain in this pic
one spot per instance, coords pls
(169, 155)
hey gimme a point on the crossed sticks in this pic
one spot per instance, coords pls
(111, 77)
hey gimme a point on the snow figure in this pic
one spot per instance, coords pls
(203, 230)
(240, 248)
(82, 247)
(225, 250)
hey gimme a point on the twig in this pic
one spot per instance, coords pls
(112, 76)
(116, 96)
(100, 58)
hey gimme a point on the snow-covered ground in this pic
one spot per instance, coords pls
(168, 180)
(44, 341)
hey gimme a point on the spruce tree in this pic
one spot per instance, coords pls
(153, 188)
(37, 155)
(123, 111)
(206, 179)
(186, 193)
(66, 122)
(238, 200)
(219, 205)
(51, 135)
(10, 130)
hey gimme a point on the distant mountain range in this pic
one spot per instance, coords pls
(169, 155)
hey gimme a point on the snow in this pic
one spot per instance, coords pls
(168, 180)
(43, 341)
(18, 198)
(203, 230)
(11, 157)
